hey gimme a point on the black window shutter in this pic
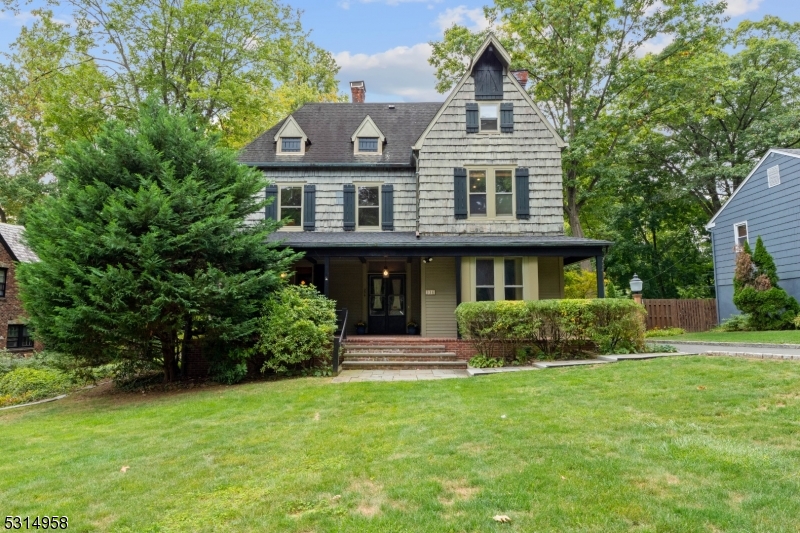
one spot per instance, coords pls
(309, 207)
(507, 117)
(522, 192)
(349, 197)
(387, 207)
(472, 117)
(271, 210)
(460, 192)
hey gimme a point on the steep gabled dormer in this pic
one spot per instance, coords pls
(368, 138)
(290, 139)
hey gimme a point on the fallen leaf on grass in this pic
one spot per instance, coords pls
(502, 518)
(701, 387)
(316, 416)
(124, 469)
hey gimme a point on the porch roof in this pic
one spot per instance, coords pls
(400, 243)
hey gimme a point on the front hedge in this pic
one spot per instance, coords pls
(554, 327)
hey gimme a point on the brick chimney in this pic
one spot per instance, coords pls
(359, 91)
(522, 77)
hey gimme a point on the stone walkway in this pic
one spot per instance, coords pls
(353, 376)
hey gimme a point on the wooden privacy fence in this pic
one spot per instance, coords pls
(691, 315)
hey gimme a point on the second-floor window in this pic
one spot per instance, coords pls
(290, 204)
(369, 206)
(3, 277)
(290, 144)
(368, 144)
(488, 117)
(491, 193)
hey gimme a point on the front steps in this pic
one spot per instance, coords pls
(394, 354)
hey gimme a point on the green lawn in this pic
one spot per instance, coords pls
(669, 445)
(777, 337)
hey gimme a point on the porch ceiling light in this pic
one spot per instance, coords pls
(385, 272)
(636, 284)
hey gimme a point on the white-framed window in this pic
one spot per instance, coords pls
(368, 206)
(512, 274)
(290, 144)
(491, 192)
(290, 204)
(740, 235)
(484, 280)
(489, 117)
(773, 176)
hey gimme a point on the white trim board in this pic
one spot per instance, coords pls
(711, 223)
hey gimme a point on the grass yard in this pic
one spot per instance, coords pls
(681, 444)
(776, 337)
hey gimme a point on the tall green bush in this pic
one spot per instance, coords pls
(554, 327)
(757, 294)
(296, 329)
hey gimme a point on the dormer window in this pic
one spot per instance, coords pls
(290, 139)
(367, 144)
(368, 139)
(290, 144)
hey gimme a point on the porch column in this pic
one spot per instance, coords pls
(458, 290)
(327, 270)
(601, 288)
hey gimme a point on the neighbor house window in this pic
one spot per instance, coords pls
(774, 176)
(484, 280)
(3, 276)
(491, 193)
(18, 337)
(368, 144)
(369, 207)
(740, 234)
(488, 117)
(290, 144)
(290, 205)
(512, 270)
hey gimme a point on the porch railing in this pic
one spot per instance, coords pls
(339, 336)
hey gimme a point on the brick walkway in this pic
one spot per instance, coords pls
(353, 376)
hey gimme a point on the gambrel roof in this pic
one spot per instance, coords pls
(330, 126)
(791, 152)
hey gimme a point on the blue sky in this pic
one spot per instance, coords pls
(384, 42)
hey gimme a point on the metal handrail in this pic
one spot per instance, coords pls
(337, 341)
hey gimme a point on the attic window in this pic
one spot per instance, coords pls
(488, 117)
(290, 144)
(773, 176)
(368, 144)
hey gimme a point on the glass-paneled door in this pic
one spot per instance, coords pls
(387, 304)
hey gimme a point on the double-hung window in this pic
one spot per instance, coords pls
(484, 280)
(369, 206)
(18, 336)
(512, 270)
(489, 117)
(740, 235)
(290, 204)
(498, 278)
(3, 277)
(491, 193)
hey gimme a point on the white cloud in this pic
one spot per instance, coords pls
(401, 74)
(655, 45)
(740, 7)
(460, 15)
(345, 4)
(23, 18)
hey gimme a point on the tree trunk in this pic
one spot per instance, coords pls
(168, 353)
(573, 215)
(185, 346)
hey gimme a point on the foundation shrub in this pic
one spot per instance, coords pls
(28, 384)
(554, 328)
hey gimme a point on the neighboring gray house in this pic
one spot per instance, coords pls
(766, 204)
(405, 210)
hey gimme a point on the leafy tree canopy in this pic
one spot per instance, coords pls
(147, 246)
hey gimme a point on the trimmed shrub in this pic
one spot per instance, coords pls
(28, 384)
(735, 323)
(666, 332)
(296, 329)
(555, 327)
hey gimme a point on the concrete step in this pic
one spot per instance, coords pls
(383, 356)
(354, 348)
(403, 365)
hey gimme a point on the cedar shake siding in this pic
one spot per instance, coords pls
(531, 145)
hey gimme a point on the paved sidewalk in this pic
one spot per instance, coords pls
(353, 376)
(736, 349)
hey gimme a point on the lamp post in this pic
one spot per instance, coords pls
(636, 289)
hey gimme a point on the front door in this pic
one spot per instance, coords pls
(387, 304)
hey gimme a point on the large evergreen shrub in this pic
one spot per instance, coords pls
(757, 294)
(146, 247)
